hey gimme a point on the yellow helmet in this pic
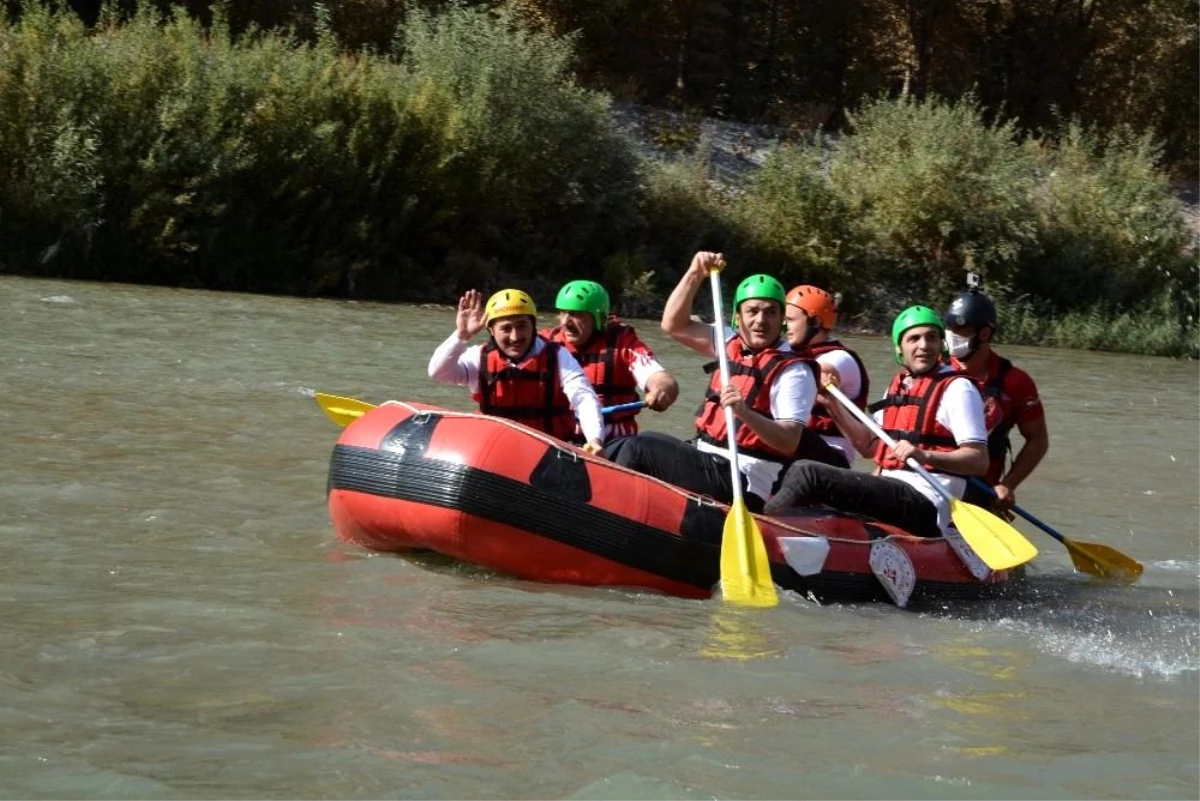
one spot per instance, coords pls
(508, 303)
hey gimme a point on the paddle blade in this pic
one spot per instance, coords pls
(342, 411)
(997, 543)
(745, 569)
(1101, 560)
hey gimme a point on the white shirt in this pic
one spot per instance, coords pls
(792, 394)
(961, 412)
(849, 382)
(455, 363)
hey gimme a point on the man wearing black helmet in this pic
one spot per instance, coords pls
(1010, 396)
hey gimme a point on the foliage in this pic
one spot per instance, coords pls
(160, 150)
(1111, 231)
(800, 223)
(936, 191)
(171, 149)
(535, 162)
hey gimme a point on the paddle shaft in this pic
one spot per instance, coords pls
(623, 407)
(356, 408)
(878, 431)
(982, 485)
(719, 345)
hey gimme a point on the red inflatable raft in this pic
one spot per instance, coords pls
(496, 494)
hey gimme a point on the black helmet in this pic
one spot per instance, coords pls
(972, 309)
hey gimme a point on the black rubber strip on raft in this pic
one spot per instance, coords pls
(406, 474)
(555, 504)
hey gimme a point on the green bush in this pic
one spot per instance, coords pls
(536, 166)
(1111, 230)
(160, 150)
(800, 225)
(936, 191)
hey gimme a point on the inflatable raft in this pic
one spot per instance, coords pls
(494, 493)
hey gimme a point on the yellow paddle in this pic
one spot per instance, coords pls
(345, 411)
(998, 544)
(342, 411)
(1088, 557)
(745, 569)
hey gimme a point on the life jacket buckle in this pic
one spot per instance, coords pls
(423, 418)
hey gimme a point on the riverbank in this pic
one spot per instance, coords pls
(169, 153)
(736, 150)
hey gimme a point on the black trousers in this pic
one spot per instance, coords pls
(814, 448)
(676, 462)
(885, 499)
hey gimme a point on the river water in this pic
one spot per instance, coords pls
(181, 622)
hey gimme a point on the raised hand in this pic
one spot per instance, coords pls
(704, 262)
(469, 319)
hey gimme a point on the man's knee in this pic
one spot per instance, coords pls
(626, 451)
(806, 483)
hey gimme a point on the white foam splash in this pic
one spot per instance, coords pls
(1168, 652)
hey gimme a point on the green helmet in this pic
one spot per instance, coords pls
(759, 287)
(584, 296)
(912, 317)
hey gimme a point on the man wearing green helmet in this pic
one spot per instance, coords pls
(615, 360)
(771, 392)
(936, 415)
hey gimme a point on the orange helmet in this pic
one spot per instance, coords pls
(816, 303)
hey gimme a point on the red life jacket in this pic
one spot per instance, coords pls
(598, 359)
(821, 421)
(528, 391)
(997, 407)
(911, 415)
(753, 373)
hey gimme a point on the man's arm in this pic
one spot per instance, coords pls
(677, 314)
(582, 397)
(1037, 443)
(968, 459)
(454, 362)
(792, 398)
(661, 391)
(859, 435)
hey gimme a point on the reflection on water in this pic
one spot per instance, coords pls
(181, 622)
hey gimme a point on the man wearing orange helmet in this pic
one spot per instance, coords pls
(811, 314)
(516, 374)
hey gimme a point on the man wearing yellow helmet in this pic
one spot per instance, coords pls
(516, 374)
(771, 391)
(613, 357)
(936, 415)
(811, 315)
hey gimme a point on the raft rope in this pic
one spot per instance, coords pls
(579, 454)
